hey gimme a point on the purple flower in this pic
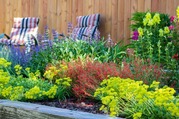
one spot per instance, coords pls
(135, 35)
(55, 34)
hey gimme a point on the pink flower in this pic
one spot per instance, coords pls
(171, 27)
(172, 18)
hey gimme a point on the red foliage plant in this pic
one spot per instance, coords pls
(88, 75)
(141, 70)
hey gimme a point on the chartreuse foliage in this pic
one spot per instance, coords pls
(16, 87)
(133, 99)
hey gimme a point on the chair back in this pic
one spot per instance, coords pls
(22, 28)
(87, 26)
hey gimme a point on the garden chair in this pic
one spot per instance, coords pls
(86, 28)
(23, 32)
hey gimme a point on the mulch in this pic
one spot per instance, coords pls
(73, 104)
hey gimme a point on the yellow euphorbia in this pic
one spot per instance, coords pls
(116, 91)
(4, 63)
(33, 93)
(52, 92)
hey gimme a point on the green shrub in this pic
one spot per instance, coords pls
(69, 50)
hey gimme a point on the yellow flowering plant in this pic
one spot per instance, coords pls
(148, 30)
(30, 87)
(133, 99)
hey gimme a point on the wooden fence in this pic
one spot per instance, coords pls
(115, 14)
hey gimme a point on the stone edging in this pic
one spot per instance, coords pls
(23, 110)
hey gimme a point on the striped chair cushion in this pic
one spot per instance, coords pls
(27, 22)
(5, 41)
(19, 36)
(78, 33)
(89, 20)
(21, 29)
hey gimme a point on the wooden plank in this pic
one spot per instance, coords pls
(87, 7)
(121, 19)
(81, 9)
(140, 6)
(59, 16)
(25, 8)
(148, 5)
(1, 11)
(114, 20)
(69, 11)
(127, 16)
(155, 5)
(19, 8)
(170, 7)
(40, 12)
(134, 7)
(64, 17)
(44, 11)
(2, 17)
(102, 11)
(8, 16)
(74, 12)
(96, 6)
(162, 6)
(108, 18)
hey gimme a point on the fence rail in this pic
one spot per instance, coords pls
(115, 14)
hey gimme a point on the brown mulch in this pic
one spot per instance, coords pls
(73, 104)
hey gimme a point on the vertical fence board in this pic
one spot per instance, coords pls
(74, 11)
(127, 16)
(121, 20)
(102, 11)
(140, 5)
(114, 20)
(155, 5)
(108, 17)
(148, 5)
(69, 11)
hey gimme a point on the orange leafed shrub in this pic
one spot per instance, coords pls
(88, 75)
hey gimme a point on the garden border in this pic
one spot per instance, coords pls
(30, 111)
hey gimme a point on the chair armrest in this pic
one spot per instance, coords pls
(36, 42)
(8, 37)
(61, 34)
(3, 34)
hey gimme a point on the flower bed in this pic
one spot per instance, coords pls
(125, 80)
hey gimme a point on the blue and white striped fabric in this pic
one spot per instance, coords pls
(22, 27)
(87, 25)
(89, 20)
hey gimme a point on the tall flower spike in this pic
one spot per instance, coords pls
(140, 31)
(177, 13)
(109, 41)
